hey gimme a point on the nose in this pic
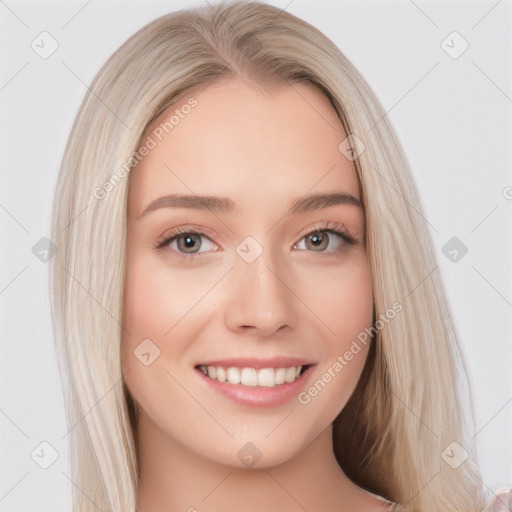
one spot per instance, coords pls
(261, 299)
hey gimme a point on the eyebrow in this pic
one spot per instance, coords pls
(226, 205)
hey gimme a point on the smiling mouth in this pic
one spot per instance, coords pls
(262, 377)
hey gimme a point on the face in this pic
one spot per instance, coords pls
(265, 280)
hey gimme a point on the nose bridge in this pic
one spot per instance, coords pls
(261, 297)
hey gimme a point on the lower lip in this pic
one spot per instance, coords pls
(259, 396)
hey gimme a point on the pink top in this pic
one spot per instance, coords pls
(501, 502)
(389, 506)
(392, 507)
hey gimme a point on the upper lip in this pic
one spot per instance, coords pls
(253, 362)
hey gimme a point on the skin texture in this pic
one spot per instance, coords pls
(262, 149)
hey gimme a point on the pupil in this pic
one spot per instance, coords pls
(189, 241)
(318, 240)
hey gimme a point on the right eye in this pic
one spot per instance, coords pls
(184, 241)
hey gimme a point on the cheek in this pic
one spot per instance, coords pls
(155, 307)
(144, 303)
(157, 299)
(164, 306)
(345, 306)
(343, 300)
(148, 313)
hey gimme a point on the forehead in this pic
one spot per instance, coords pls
(239, 140)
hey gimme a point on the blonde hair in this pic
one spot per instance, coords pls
(408, 405)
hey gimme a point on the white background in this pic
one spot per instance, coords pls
(453, 117)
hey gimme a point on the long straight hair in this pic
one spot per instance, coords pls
(413, 398)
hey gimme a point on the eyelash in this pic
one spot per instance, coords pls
(334, 228)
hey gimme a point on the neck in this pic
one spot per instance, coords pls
(175, 478)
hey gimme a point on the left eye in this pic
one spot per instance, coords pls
(320, 240)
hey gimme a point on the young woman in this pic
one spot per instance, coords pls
(246, 300)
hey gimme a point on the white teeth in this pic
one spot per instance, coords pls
(289, 374)
(279, 377)
(267, 377)
(248, 377)
(221, 374)
(233, 375)
(263, 377)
